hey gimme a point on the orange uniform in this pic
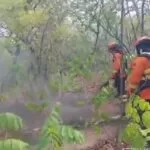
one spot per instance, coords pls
(119, 80)
(117, 58)
(139, 83)
(140, 77)
(117, 52)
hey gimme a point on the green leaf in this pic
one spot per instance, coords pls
(13, 144)
(37, 107)
(56, 133)
(97, 129)
(144, 105)
(146, 119)
(145, 132)
(129, 110)
(44, 141)
(9, 121)
(135, 116)
(132, 136)
(136, 102)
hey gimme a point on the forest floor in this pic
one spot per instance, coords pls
(110, 130)
(75, 110)
(74, 115)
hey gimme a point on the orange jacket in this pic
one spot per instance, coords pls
(117, 57)
(140, 66)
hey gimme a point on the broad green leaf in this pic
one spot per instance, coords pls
(135, 116)
(144, 105)
(135, 102)
(146, 119)
(129, 110)
(145, 132)
(56, 133)
(9, 121)
(132, 136)
(13, 144)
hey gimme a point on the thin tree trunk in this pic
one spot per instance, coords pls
(142, 17)
(121, 68)
(136, 9)
(122, 21)
(41, 47)
(132, 24)
(96, 41)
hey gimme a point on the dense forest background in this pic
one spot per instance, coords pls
(50, 47)
(62, 39)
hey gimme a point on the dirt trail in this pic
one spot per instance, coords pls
(108, 131)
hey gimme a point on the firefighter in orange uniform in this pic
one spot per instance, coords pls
(139, 83)
(118, 76)
(139, 79)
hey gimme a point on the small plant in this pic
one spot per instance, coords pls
(11, 122)
(97, 129)
(100, 99)
(103, 96)
(37, 107)
(104, 116)
(54, 134)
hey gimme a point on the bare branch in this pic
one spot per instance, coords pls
(142, 17)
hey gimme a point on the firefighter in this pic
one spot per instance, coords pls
(138, 82)
(139, 79)
(118, 75)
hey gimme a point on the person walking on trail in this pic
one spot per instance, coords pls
(138, 83)
(118, 75)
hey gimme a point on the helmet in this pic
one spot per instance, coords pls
(114, 47)
(143, 45)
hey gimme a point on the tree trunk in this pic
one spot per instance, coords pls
(96, 42)
(142, 18)
(122, 20)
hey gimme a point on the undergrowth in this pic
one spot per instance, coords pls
(101, 98)
(54, 134)
(136, 132)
